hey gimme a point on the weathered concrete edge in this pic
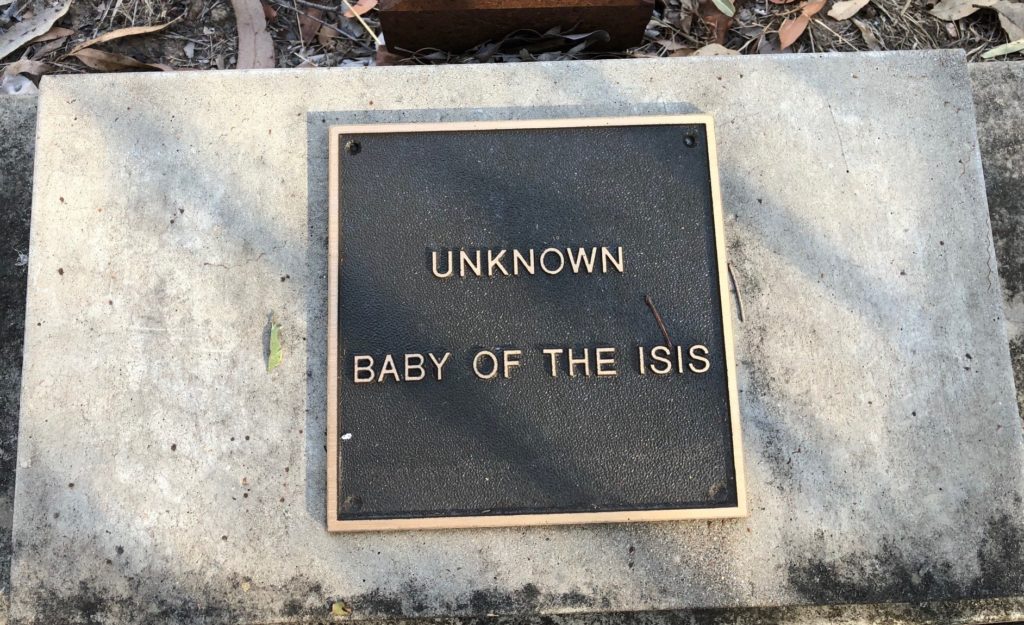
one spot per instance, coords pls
(970, 612)
(1000, 140)
(17, 147)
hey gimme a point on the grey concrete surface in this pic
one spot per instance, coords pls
(998, 99)
(17, 144)
(883, 444)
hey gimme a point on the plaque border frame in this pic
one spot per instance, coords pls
(336, 524)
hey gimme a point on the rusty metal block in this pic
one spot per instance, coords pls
(458, 25)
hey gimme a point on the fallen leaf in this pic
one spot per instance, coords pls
(952, 10)
(17, 85)
(309, 24)
(766, 46)
(1006, 48)
(255, 47)
(578, 48)
(1011, 18)
(357, 12)
(793, 27)
(274, 359)
(1011, 28)
(27, 30)
(718, 22)
(27, 66)
(269, 12)
(670, 45)
(687, 9)
(340, 609)
(781, 1)
(1011, 14)
(845, 9)
(726, 7)
(56, 32)
(118, 34)
(866, 33)
(113, 62)
(360, 8)
(49, 47)
(811, 8)
(325, 35)
(714, 49)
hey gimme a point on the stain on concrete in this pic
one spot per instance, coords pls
(1017, 358)
(524, 600)
(378, 603)
(891, 574)
(146, 601)
(999, 557)
(150, 603)
(872, 577)
(95, 605)
(410, 599)
(894, 613)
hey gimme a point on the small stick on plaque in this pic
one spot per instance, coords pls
(657, 317)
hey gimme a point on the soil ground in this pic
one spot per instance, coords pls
(311, 34)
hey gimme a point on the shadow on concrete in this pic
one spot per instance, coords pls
(17, 148)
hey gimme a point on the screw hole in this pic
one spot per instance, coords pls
(353, 147)
(689, 141)
(352, 503)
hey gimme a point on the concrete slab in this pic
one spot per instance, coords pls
(884, 447)
(17, 146)
(1000, 111)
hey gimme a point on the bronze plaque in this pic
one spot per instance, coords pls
(529, 324)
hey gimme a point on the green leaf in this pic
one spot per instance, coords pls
(1006, 48)
(340, 609)
(725, 6)
(274, 360)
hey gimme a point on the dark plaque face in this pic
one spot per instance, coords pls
(529, 325)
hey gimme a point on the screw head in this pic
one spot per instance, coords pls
(352, 503)
(353, 147)
(689, 141)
